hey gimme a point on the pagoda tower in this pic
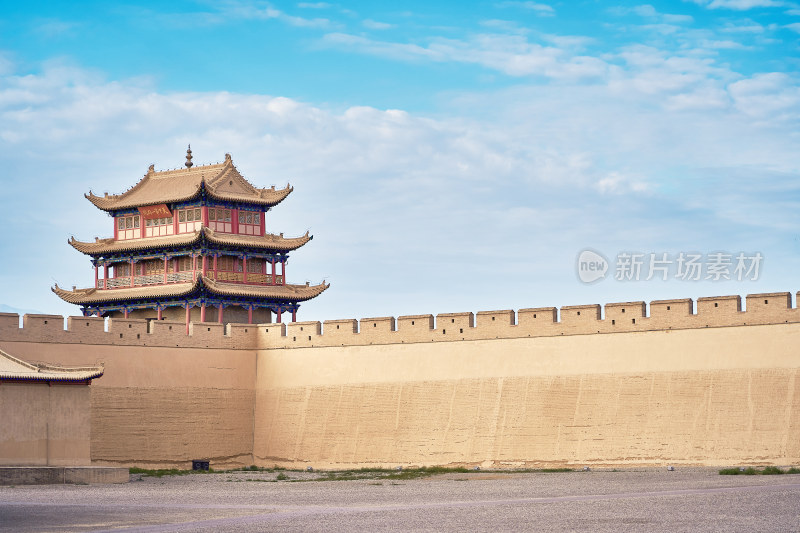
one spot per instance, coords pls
(190, 244)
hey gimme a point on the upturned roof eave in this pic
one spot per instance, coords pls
(89, 297)
(270, 242)
(117, 202)
(19, 370)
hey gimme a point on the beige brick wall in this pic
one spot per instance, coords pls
(713, 396)
(493, 387)
(44, 424)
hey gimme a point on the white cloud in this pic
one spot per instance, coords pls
(744, 26)
(795, 27)
(375, 25)
(511, 54)
(225, 11)
(390, 195)
(739, 5)
(773, 96)
(541, 9)
(314, 5)
(6, 63)
(52, 28)
(649, 11)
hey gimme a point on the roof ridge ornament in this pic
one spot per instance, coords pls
(189, 157)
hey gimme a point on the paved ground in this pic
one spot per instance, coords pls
(693, 500)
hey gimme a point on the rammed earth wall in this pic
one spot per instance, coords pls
(691, 382)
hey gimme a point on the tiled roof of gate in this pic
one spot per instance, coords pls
(263, 242)
(295, 293)
(12, 368)
(222, 181)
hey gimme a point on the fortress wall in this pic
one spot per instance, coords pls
(711, 396)
(126, 332)
(160, 406)
(620, 317)
(496, 386)
(44, 425)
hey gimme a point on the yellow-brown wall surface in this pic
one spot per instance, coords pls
(157, 406)
(583, 385)
(43, 424)
(698, 396)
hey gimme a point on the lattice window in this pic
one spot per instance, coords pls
(227, 263)
(255, 266)
(219, 219)
(185, 264)
(153, 267)
(190, 219)
(155, 227)
(249, 222)
(128, 227)
(122, 270)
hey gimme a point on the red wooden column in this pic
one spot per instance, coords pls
(105, 276)
(250, 314)
(215, 271)
(96, 276)
(262, 223)
(244, 268)
(294, 315)
(188, 309)
(279, 316)
(204, 216)
(160, 314)
(219, 314)
(132, 275)
(235, 220)
(274, 273)
(126, 312)
(166, 263)
(203, 312)
(283, 272)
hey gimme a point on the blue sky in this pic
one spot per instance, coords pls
(446, 156)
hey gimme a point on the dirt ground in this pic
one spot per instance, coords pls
(654, 500)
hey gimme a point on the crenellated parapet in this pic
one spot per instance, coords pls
(618, 317)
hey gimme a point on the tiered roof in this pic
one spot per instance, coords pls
(221, 181)
(14, 369)
(294, 293)
(269, 241)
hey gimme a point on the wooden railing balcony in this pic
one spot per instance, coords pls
(183, 277)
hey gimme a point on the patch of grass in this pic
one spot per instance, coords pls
(342, 475)
(161, 472)
(737, 472)
(750, 471)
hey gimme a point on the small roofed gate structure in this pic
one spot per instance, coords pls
(45, 413)
(191, 244)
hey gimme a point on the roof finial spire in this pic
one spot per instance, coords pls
(189, 157)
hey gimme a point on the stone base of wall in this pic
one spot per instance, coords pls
(59, 475)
